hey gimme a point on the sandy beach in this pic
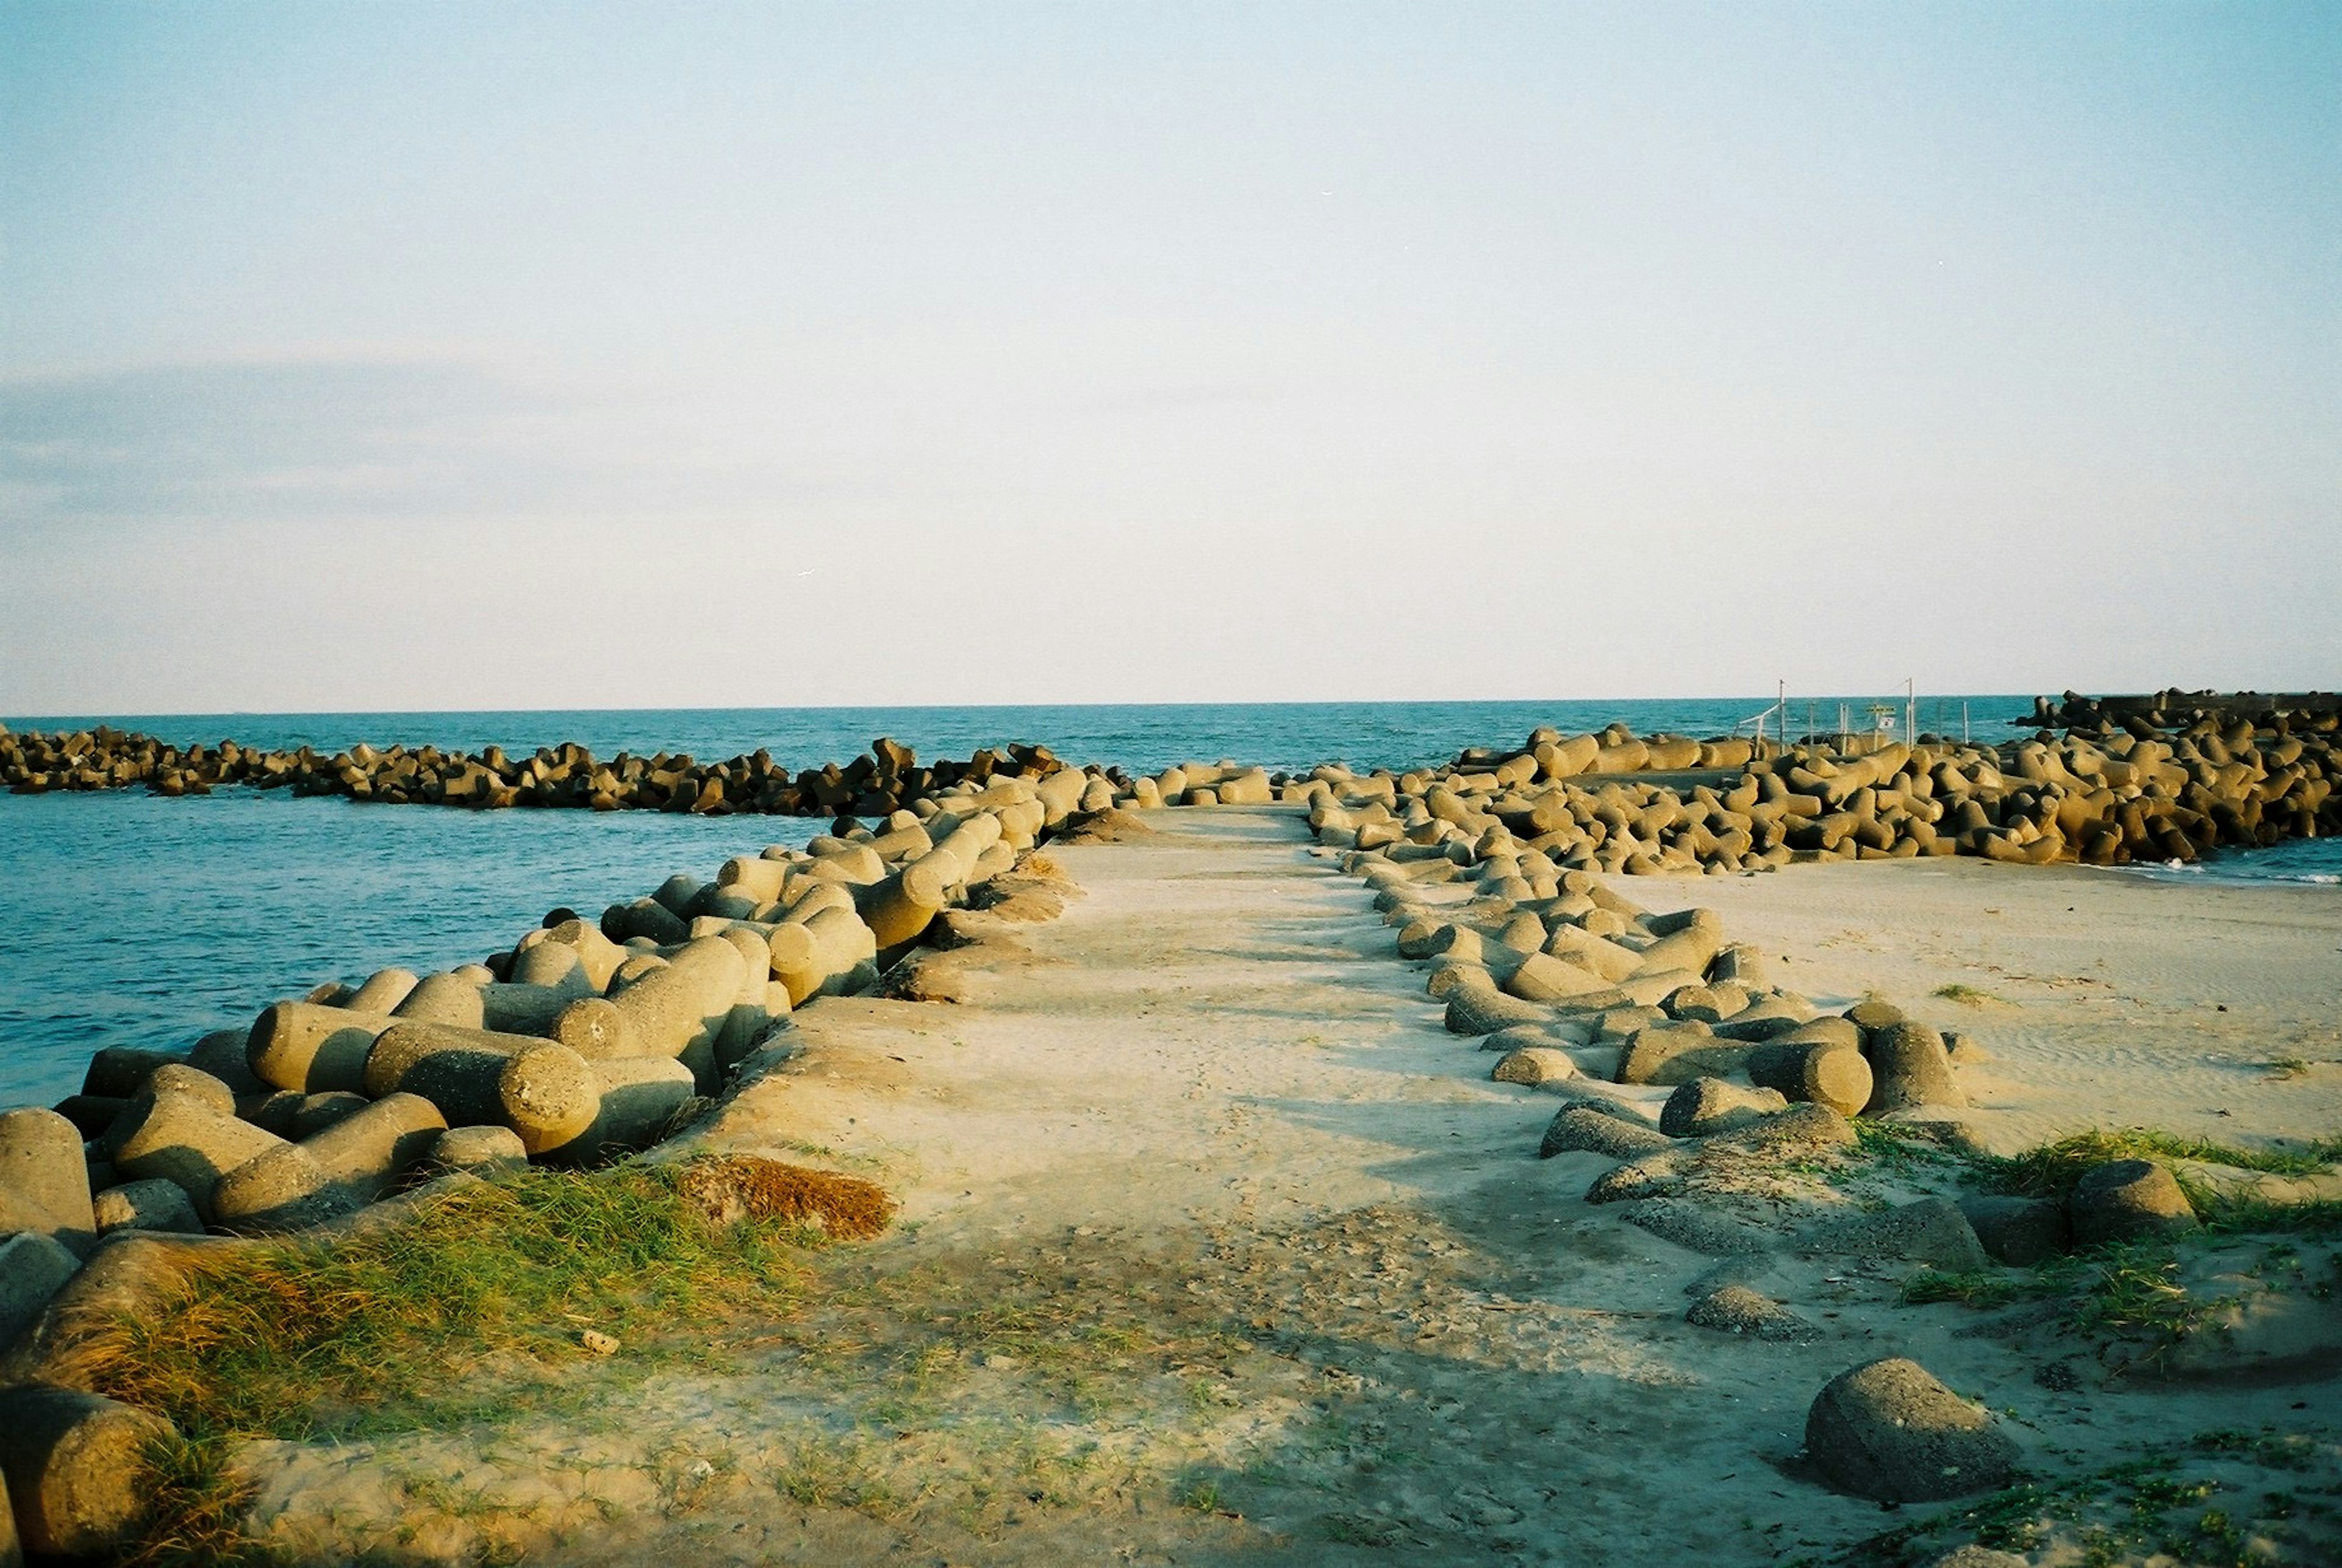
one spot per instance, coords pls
(1217, 1246)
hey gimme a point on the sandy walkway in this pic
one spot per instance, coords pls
(1217, 1248)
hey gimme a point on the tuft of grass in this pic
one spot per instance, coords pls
(1981, 1289)
(2288, 1067)
(195, 1507)
(2052, 1170)
(1966, 995)
(381, 1331)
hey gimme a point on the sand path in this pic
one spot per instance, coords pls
(1216, 1248)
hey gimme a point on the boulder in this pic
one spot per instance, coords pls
(2126, 1200)
(1930, 1231)
(1797, 1133)
(483, 1151)
(1707, 1105)
(154, 1205)
(1736, 1309)
(1822, 1071)
(1910, 1069)
(42, 1165)
(74, 1463)
(1535, 1065)
(33, 1268)
(1667, 1053)
(1583, 1126)
(1653, 1175)
(1890, 1432)
(2018, 1231)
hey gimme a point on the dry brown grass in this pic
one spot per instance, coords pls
(749, 1187)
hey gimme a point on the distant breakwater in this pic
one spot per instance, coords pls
(2165, 776)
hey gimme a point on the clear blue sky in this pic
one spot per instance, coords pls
(393, 356)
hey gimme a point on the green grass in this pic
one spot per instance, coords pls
(382, 1332)
(1966, 995)
(469, 1309)
(2166, 1502)
(2288, 1067)
(2052, 1170)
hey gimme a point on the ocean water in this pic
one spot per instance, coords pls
(2303, 861)
(131, 919)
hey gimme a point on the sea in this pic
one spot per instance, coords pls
(131, 919)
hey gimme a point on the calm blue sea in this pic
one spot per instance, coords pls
(131, 919)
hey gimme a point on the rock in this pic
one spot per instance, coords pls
(1823, 1072)
(119, 1072)
(1653, 1175)
(1707, 1105)
(75, 1464)
(1694, 1003)
(1475, 1006)
(1667, 1054)
(1736, 1309)
(154, 1205)
(1871, 1014)
(482, 1150)
(1890, 1432)
(183, 1137)
(311, 1048)
(2016, 1231)
(1585, 1128)
(1696, 1227)
(42, 1165)
(1536, 1065)
(340, 1170)
(1910, 1068)
(1793, 1134)
(33, 1268)
(2128, 1199)
(1930, 1231)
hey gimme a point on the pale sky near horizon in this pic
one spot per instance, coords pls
(409, 357)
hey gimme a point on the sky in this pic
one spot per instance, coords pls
(411, 357)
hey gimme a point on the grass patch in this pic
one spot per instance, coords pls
(1966, 995)
(2184, 1503)
(2052, 1170)
(388, 1331)
(2288, 1067)
(1982, 1289)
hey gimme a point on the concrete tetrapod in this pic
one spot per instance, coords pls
(1888, 1430)
(312, 1049)
(633, 1102)
(348, 1165)
(74, 1462)
(1823, 1072)
(183, 1138)
(455, 1068)
(684, 1004)
(551, 1095)
(40, 1162)
(33, 1268)
(899, 909)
